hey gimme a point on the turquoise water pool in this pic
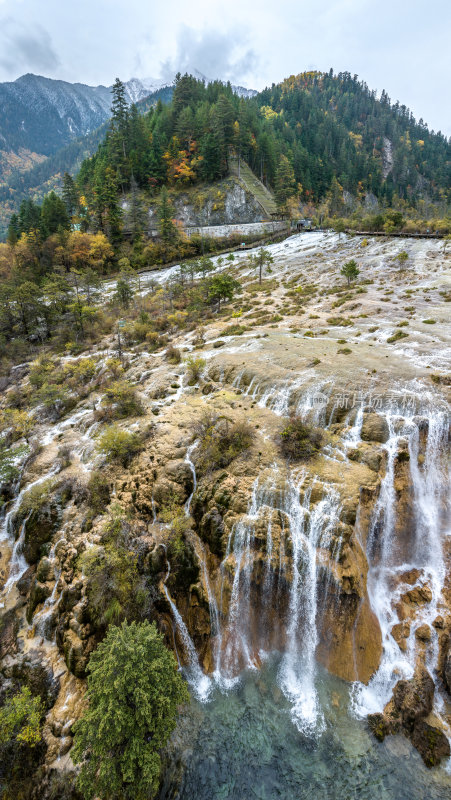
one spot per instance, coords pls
(243, 745)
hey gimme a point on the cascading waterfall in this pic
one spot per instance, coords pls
(388, 558)
(44, 617)
(309, 529)
(352, 438)
(193, 472)
(200, 683)
(237, 651)
(18, 564)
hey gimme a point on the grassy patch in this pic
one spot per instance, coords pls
(397, 336)
(339, 321)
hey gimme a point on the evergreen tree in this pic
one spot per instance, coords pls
(168, 230)
(222, 287)
(118, 134)
(53, 214)
(350, 270)
(285, 181)
(70, 194)
(13, 230)
(29, 216)
(134, 691)
(136, 216)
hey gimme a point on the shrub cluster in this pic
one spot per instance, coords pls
(220, 441)
(299, 441)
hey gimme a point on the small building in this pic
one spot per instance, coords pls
(304, 225)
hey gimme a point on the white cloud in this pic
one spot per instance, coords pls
(402, 48)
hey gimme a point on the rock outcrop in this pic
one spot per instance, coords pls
(410, 712)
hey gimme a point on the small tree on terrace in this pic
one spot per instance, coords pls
(124, 291)
(259, 260)
(222, 287)
(134, 690)
(350, 270)
(402, 258)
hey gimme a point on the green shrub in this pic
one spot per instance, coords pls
(119, 445)
(220, 441)
(42, 371)
(122, 401)
(429, 321)
(339, 321)
(20, 719)
(36, 497)
(234, 330)
(173, 354)
(55, 399)
(113, 584)
(98, 492)
(18, 423)
(21, 746)
(195, 366)
(299, 441)
(397, 336)
(80, 372)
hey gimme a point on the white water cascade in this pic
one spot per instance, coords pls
(200, 683)
(18, 564)
(309, 529)
(392, 555)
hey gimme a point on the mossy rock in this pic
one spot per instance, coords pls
(40, 527)
(212, 531)
(39, 593)
(44, 571)
(431, 742)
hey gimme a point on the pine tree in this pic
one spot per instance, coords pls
(118, 134)
(70, 194)
(13, 230)
(136, 217)
(53, 214)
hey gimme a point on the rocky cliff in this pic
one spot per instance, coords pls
(247, 532)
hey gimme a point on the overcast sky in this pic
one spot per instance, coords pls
(403, 46)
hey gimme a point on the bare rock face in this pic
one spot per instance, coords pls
(410, 712)
(447, 669)
(374, 428)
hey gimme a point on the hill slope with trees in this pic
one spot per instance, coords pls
(312, 134)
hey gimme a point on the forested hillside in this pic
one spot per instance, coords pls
(36, 176)
(302, 137)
